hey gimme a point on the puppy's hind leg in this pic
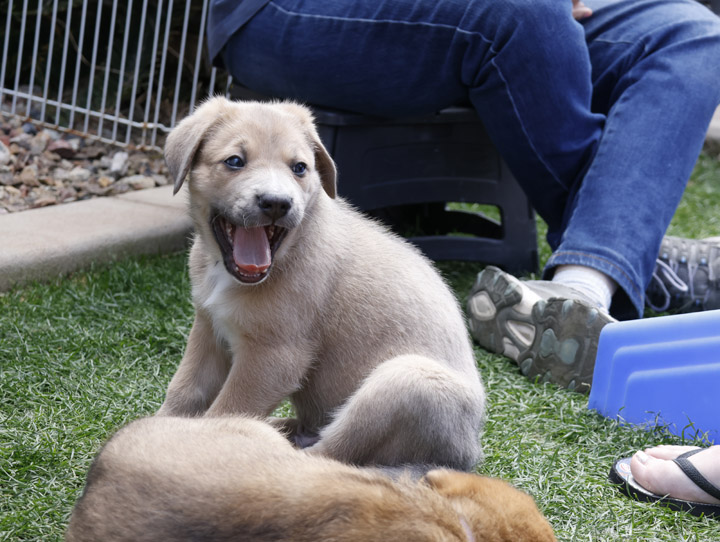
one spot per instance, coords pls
(411, 410)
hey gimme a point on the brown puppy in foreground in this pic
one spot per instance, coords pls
(222, 479)
(298, 295)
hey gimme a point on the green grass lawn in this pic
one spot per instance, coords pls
(84, 355)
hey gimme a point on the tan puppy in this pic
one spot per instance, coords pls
(222, 479)
(298, 295)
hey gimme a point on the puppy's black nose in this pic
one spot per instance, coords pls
(274, 207)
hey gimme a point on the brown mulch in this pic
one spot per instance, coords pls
(41, 167)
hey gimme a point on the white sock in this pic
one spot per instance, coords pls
(593, 283)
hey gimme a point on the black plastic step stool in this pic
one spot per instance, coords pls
(410, 173)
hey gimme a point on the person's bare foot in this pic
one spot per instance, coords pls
(654, 469)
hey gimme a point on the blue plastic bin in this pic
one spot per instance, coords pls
(661, 371)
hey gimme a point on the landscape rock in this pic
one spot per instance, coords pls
(21, 140)
(161, 180)
(7, 177)
(138, 182)
(119, 188)
(54, 134)
(79, 175)
(60, 174)
(29, 128)
(119, 164)
(29, 175)
(62, 148)
(5, 156)
(95, 189)
(138, 162)
(105, 181)
(38, 143)
(43, 198)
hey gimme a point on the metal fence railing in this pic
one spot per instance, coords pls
(118, 72)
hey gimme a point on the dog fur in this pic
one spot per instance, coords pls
(349, 321)
(234, 478)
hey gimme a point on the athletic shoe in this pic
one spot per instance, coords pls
(549, 329)
(686, 276)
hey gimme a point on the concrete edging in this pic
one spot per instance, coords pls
(43, 243)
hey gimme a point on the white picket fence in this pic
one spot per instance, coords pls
(118, 72)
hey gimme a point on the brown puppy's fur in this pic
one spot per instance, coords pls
(351, 322)
(221, 479)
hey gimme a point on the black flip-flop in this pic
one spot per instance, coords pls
(621, 476)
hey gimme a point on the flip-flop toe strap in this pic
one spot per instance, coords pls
(694, 474)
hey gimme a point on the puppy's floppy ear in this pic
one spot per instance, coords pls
(184, 141)
(325, 167)
(445, 480)
(455, 483)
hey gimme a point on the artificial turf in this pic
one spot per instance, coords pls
(83, 355)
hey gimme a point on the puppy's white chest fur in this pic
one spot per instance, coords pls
(244, 316)
(215, 297)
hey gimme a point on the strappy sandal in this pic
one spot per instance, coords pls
(621, 476)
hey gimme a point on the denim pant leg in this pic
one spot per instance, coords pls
(656, 77)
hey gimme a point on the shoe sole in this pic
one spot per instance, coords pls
(565, 345)
(551, 341)
(499, 320)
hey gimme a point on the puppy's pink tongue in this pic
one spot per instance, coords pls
(251, 250)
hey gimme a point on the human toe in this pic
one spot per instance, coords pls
(668, 451)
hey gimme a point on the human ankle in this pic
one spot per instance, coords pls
(594, 284)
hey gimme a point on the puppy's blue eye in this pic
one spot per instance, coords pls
(234, 162)
(300, 168)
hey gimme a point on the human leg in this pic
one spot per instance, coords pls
(646, 57)
(655, 71)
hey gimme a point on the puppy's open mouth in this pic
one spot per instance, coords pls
(247, 252)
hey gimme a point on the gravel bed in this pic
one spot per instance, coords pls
(41, 167)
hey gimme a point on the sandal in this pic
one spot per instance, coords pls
(621, 475)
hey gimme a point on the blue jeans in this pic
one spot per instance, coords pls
(600, 121)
